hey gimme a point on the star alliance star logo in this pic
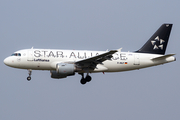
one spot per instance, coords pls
(157, 43)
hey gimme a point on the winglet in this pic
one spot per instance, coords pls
(119, 50)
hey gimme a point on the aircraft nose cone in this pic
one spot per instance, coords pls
(7, 61)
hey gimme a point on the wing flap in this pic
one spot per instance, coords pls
(91, 63)
(99, 58)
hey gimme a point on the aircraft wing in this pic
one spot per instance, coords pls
(91, 63)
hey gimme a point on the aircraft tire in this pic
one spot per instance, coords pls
(28, 78)
(83, 81)
(88, 78)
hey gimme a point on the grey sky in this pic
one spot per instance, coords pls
(146, 94)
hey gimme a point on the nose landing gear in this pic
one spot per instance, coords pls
(30, 72)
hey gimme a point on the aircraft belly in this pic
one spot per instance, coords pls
(36, 66)
(118, 66)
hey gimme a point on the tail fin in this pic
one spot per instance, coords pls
(158, 42)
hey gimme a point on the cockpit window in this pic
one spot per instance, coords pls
(16, 54)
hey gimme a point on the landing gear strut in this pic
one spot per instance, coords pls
(86, 79)
(30, 72)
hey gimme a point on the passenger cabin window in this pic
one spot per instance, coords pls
(16, 54)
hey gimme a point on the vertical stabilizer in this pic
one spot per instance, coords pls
(158, 42)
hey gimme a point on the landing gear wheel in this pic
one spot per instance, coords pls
(29, 72)
(83, 81)
(88, 78)
(29, 78)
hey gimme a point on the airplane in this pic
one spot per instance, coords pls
(64, 63)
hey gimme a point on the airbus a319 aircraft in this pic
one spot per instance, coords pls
(63, 63)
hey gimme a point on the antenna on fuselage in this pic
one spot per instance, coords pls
(32, 48)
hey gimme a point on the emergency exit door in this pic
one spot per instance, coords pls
(136, 60)
(30, 55)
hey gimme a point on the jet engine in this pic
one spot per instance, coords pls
(63, 70)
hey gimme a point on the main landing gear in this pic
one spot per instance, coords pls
(30, 72)
(86, 79)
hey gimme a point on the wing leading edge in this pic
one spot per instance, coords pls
(91, 63)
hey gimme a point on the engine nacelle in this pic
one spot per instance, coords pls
(63, 70)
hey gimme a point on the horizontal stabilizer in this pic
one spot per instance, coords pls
(163, 57)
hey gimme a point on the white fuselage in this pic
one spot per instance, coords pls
(46, 59)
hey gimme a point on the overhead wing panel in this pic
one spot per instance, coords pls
(91, 63)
